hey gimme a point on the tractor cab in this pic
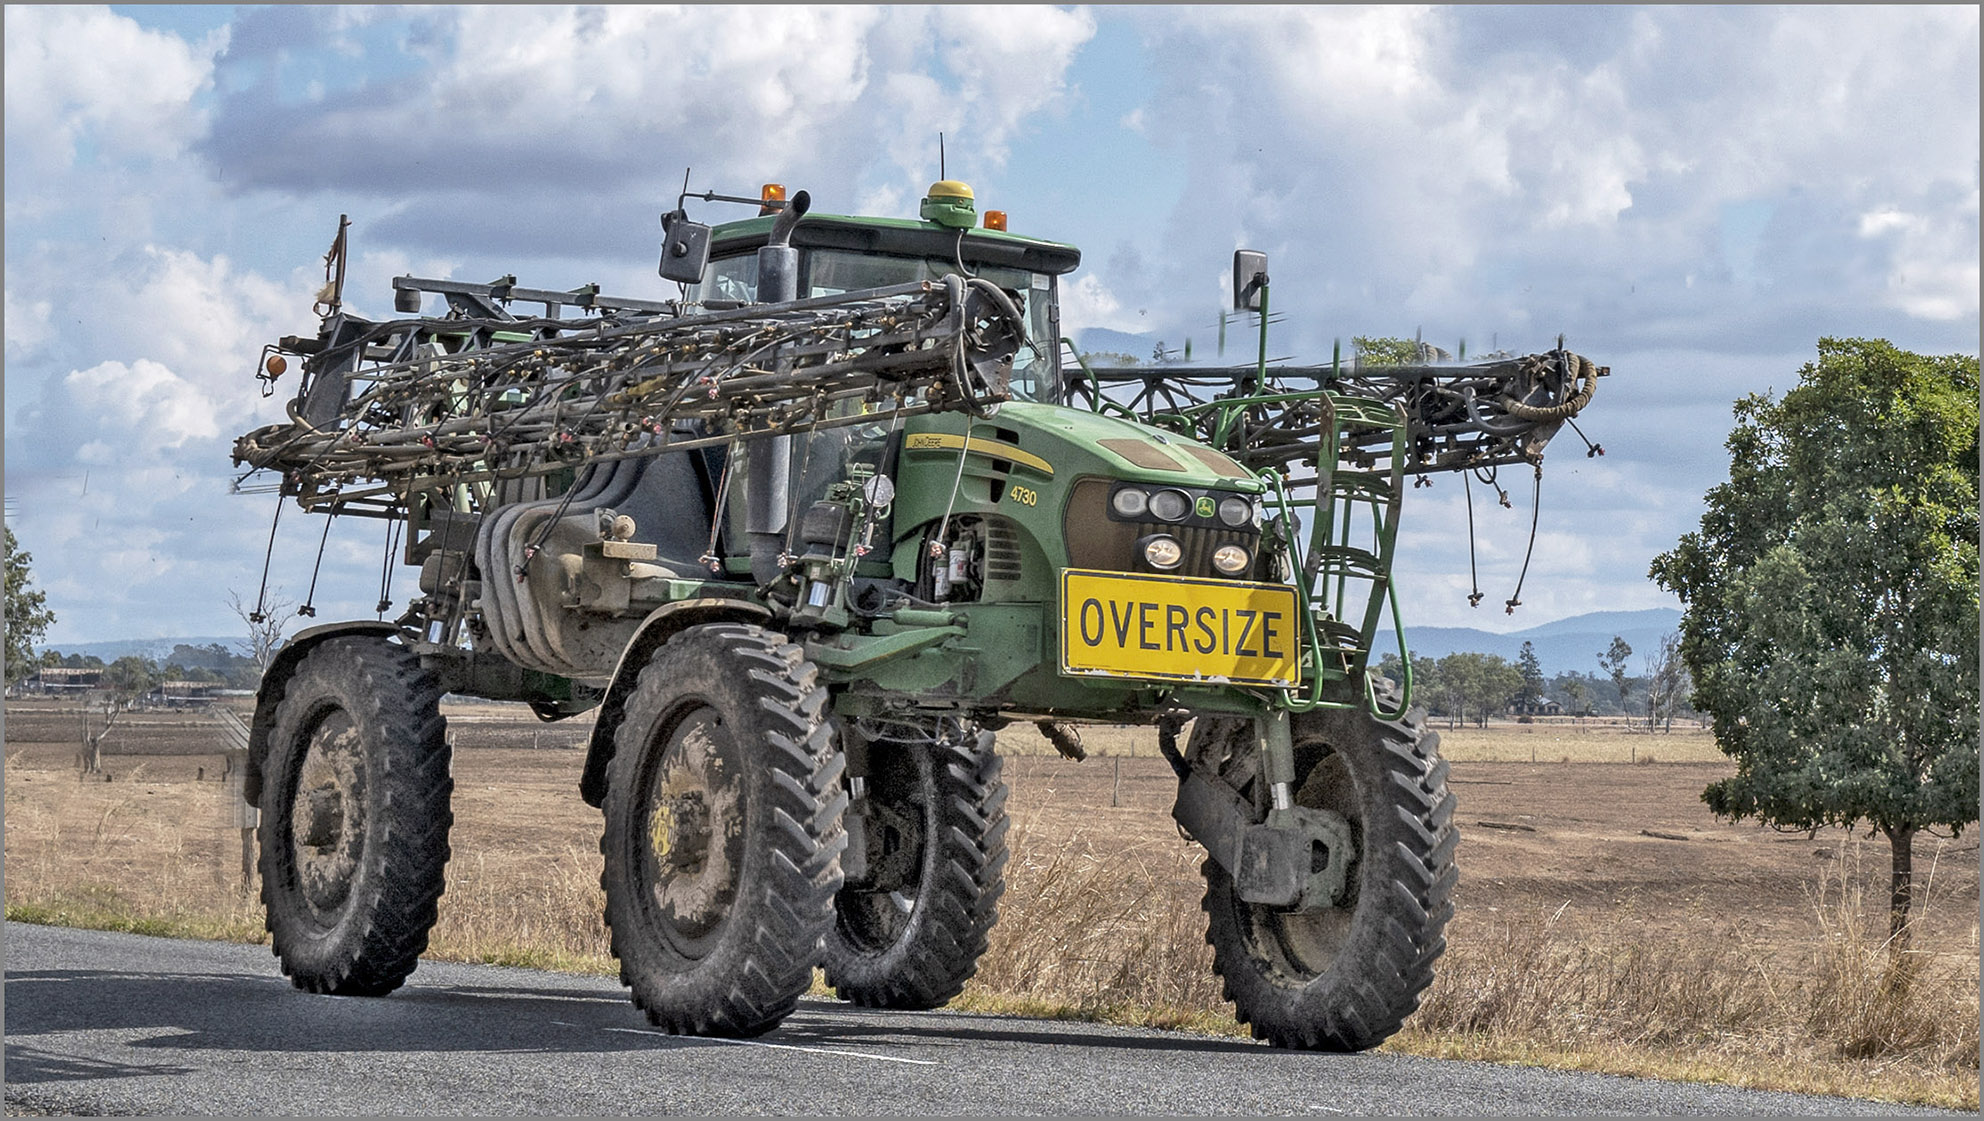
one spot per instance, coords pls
(838, 254)
(842, 253)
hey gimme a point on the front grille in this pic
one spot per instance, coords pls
(1097, 541)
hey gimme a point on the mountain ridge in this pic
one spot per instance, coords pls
(1570, 644)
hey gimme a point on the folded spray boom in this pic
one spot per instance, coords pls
(391, 408)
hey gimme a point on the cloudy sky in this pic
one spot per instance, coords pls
(1692, 195)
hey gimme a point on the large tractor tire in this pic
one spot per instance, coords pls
(1342, 975)
(355, 817)
(723, 831)
(910, 932)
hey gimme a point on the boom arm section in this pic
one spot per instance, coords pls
(1456, 417)
(389, 409)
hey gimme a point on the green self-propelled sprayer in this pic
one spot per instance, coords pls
(800, 541)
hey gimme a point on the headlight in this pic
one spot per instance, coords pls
(1171, 505)
(1231, 559)
(1163, 551)
(1129, 502)
(1236, 511)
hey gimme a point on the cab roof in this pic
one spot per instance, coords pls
(900, 236)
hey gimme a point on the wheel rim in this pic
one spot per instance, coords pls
(874, 914)
(327, 814)
(1299, 946)
(691, 835)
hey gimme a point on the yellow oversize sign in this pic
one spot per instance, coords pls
(1121, 624)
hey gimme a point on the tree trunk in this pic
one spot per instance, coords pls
(1901, 885)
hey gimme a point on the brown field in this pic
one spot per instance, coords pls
(1604, 919)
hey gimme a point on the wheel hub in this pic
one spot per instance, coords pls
(695, 821)
(323, 817)
(1300, 943)
(327, 814)
(681, 831)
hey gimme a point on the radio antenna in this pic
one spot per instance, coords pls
(940, 157)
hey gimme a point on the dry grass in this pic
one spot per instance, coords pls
(549, 914)
(1841, 1015)
(1103, 924)
(1110, 936)
(125, 855)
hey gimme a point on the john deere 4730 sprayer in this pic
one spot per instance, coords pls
(801, 540)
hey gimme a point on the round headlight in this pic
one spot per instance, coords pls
(1236, 511)
(1231, 559)
(1171, 505)
(1129, 502)
(1163, 551)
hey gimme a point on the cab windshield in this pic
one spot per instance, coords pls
(830, 272)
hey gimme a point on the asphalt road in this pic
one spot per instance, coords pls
(120, 1024)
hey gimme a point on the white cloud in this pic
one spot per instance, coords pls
(119, 427)
(27, 322)
(576, 109)
(1085, 303)
(1933, 265)
(648, 67)
(154, 407)
(1469, 170)
(1010, 65)
(86, 74)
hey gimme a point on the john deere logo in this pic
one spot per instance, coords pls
(1205, 506)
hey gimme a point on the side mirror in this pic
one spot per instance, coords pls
(685, 249)
(1250, 276)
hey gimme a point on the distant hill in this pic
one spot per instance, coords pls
(1565, 645)
(1102, 340)
(153, 648)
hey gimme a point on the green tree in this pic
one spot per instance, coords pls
(1474, 684)
(1531, 669)
(1425, 678)
(1576, 699)
(1613, 662)
(1383, 351)
(1495, 683)
(1831, 602)
(1110, 358)
(27, 616)
(124, 681)
(131, 677)
(1453, 675)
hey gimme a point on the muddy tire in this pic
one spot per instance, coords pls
(909, 934)
(355, 817)
(1343, 977)
(723, 832)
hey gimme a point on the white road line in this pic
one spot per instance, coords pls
(778, 1046)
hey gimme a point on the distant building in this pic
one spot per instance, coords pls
(186, 694)
(1544, 707)
(62, 679)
